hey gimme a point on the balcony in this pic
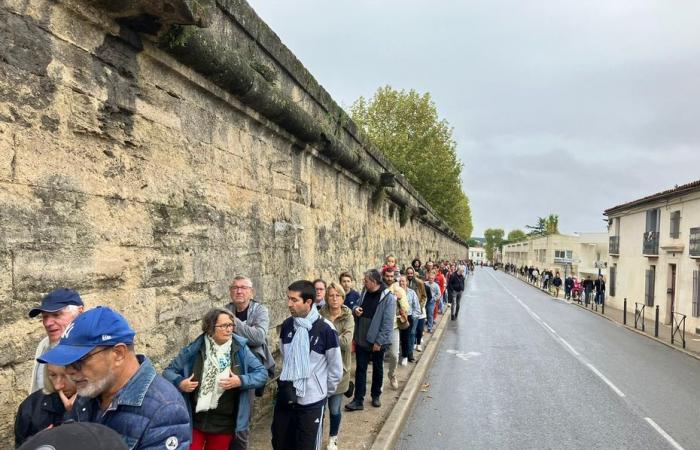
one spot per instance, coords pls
(614, 245)
(694, 244)
(650, 243)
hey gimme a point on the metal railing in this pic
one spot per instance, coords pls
(614, 245)
(639, 314)
(651, 243)
(678, 327)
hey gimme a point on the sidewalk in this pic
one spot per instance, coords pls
(359, 429)
(692, 341)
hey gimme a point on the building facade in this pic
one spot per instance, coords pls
(579, 255)
(654, 246)
(478, 255)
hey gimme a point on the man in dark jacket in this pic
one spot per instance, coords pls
(118, 388)
(599, 286)
(568, 287)
(376, 314)
(456, 287)
(587, 288)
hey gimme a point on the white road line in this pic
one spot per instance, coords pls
(666, 436)
(535, 316)
(573, 350)
(604, 378)
(549, 328)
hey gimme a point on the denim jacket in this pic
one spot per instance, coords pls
(253, 375)
(148, 412)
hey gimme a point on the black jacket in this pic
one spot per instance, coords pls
(456, 283)
(37, 412)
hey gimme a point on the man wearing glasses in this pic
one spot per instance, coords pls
(118, 388)
(252, 323)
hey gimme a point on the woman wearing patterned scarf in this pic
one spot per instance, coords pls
(215, 373)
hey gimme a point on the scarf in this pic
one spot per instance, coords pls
(296, 360)
(217, 363)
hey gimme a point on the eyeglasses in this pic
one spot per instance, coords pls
(240, 288)
(78, 365)
(226, 326)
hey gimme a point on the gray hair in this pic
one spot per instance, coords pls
(243, 278)
(210, 318)
(374, 275)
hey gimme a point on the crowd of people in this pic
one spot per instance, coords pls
(585, 291)
(87, 370)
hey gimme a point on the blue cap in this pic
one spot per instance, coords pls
(100, 326)
(56, 301)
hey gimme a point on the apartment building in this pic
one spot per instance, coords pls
(580, 255)
(654, 246)
(478, 255)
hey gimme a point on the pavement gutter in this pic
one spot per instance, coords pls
(390, 432)
(627, 327)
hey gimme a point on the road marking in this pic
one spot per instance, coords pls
(605, 379)
(666, 436)
(535, 316)
(573, 350)
(549, 328)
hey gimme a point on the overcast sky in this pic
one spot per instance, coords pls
(565, 107)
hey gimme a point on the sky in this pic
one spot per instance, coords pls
(558, 107)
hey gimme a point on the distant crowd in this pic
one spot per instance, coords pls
(584, 291)
(89, 384)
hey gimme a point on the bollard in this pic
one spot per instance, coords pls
(602, 306)
(624, 312)
(656, 322)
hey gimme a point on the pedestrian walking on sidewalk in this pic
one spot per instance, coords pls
(456, 289)
(556, 282)
(312, 368)
(341, 317)
(376, 314)
(599, 286)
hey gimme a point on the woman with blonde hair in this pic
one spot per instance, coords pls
(340, 315)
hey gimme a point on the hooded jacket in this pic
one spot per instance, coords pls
(382, 323)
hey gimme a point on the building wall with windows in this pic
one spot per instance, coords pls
(477, 254)
(654, 258)
(566, 254)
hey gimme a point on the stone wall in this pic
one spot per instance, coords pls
(147, 185)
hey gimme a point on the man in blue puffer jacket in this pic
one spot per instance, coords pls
(118, 388)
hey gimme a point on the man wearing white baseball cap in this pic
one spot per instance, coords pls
(118, 388)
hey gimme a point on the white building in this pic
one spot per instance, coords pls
(654, 259)
(477, 254)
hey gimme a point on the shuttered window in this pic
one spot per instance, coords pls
(675, 224)
(649, 286)
(613, 280)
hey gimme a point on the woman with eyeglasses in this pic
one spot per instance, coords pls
(46, 406)
(216, 373)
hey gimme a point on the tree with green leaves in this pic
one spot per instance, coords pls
(545, 226)
(405, 126)
(494, 241)
(552, 224)
(516, 235)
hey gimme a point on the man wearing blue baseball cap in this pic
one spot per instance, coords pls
(58, 309)
(118, 388)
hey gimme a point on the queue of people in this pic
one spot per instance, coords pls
(87, 369)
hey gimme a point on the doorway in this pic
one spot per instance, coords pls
(671, 291)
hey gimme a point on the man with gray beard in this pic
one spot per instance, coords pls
(118, 388)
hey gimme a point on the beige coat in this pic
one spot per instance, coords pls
(344, 325)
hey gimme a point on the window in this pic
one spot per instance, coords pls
(694, 244)
(563, 255)
(675, 224)
(651, 235)
(613, 279)
(650, 281)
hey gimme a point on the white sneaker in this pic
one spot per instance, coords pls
(394, 382)
(332, 443)
(404, 361)
(419, 348)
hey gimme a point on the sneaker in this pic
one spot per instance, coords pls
(419, 348)
(404, 361)
(354, 406)
(411, 360)
(332, 443)
(393, 382)
(376, 402)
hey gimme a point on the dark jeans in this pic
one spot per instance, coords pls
(362, 358)
(455, 301)
(419, 330)
(599, 298)
(404, 340)
(296, 427)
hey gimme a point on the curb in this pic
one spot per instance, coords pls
(627, 327)
(391, 430)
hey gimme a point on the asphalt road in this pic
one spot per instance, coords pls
(520, 370)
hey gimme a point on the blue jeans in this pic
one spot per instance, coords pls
(362, 358)
(412, 337)
(334, 402)
(429, 307)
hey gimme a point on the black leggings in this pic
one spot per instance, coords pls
(403, 339)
